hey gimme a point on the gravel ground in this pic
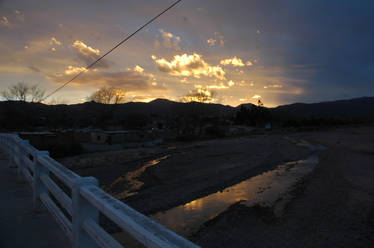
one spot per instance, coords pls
(333, 207)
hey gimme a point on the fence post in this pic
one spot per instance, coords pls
(39, 170)
(82, 210)
(18, 157)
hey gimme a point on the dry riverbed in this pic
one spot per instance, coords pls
(155, 179)
(331, 207)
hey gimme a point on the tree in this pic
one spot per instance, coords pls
(201, 95)
(36, 94)
(23, 92)
(108, 95)
(192, 121)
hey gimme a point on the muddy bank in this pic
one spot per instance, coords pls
(333, 207)
(187, 171)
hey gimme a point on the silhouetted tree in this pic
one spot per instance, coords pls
(108, 95)
(192, 120)
(23, 92)
(199, 95)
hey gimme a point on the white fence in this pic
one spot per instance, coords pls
(79, 221)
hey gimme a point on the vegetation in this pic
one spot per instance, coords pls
(24, 93)
(108, 95)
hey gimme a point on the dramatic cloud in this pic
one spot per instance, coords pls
(189, 65)
(88, 54)
(169, 40)
(235, 62)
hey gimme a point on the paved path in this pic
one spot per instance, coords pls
(20, 226)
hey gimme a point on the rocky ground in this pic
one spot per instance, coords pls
(334, 207)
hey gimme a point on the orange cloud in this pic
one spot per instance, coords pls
(169, 40)
(235, 61)
(4, 21)
(189, 65)
(88, 54)
(211, 41)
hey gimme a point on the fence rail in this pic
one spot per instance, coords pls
(77, 211)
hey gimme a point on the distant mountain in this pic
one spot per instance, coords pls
(354, 108)
(21, 115)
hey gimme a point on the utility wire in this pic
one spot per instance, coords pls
(111, 50)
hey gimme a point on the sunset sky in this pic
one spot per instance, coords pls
(282, 51)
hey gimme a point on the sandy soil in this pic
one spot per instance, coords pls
(333, 207)
(155, 179)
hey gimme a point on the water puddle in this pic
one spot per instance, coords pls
(264, 189)
(130, 179)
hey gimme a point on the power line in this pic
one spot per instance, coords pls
(120, 43)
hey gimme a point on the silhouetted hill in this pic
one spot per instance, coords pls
(354, 108)
(21, 115)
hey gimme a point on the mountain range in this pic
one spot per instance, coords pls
(14, 113)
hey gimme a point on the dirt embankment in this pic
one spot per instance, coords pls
(186, 171)
(334, 207)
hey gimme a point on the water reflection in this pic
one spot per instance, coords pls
(130, 179)
(264, 189)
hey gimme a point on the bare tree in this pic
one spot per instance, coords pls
(23, 92)
(192, 121)
(199, 95)
(36, 94)
(108, 95)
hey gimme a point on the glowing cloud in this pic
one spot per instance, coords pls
(217, 37)
(88, 54)
(199, 95)
(256, 97)
(84, 49)
(169, 40)
(235, 61)
(138, 69)
(4, 21)
(74, 70)
(211, 42)
(221, 86)
(54, 41)
(189, 65)
(273, 86)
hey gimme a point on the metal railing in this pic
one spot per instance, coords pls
(77, 211)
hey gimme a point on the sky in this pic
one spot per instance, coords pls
(279, 51)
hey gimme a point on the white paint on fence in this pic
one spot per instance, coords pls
(86, 201)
